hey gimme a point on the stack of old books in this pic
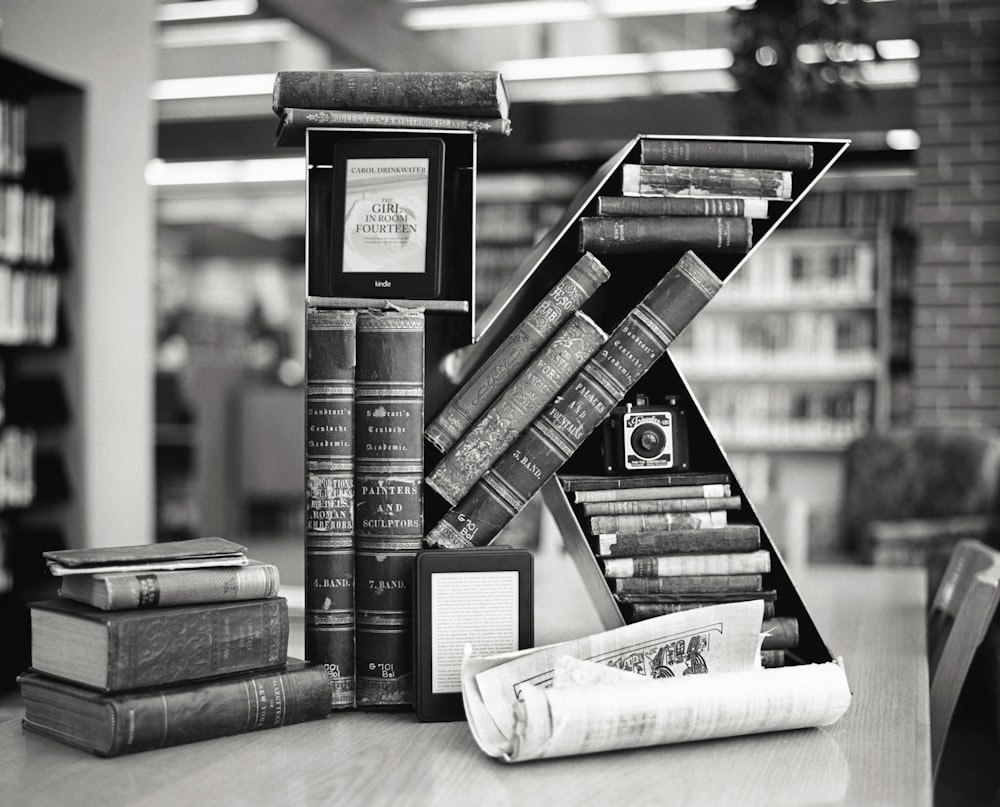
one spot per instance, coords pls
(162, 644)
(702, 195)
(667, 543)
(474, 101)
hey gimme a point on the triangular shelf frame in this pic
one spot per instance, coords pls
(631, 277)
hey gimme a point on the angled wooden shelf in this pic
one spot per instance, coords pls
(632, 276)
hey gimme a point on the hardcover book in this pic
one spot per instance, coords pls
(329, 539)
(611, 525)
(119, 650)
(639, 589)
(486, 384)
(731, 538)
(196, 552)
(294, 122)
(598, 482)
(726, 563)
(726, 153)
(604, 235)
(117, 591)
(688, 180)
(633, 347)
(681, 206)
(142, 720)
(671, 604)
(389, 420)
(657, 493)
(534, 388)
(466, 93)
(679, 504)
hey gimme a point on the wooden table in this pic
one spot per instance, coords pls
(879, 753)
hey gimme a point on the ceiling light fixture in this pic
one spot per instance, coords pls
(220, 172)
(170, 89)
(205, 10)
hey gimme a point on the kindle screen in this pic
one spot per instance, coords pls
(387, 217)
(480, 598)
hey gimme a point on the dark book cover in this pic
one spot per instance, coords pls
(329, 539)
(591, 482)
(528, 394)
(388, 520)
(631, 350)
(122, 723)
(731, 538)
(605, 235)
(120, 650)
(487, 382)
(479, 93)
(725, 153)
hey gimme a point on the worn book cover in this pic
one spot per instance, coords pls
(115, 591)
(122, 723)
(631, 350)
(486, 383)
(479, 93)
(119, 650)
(388, 520)
(534, 388)
(329, 541)
(166, 555)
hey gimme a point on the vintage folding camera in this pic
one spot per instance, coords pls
(642, 436)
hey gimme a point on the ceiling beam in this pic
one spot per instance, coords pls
(369, 31)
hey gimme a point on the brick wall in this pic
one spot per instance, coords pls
(956, 335)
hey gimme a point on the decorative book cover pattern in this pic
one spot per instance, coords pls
(389, 420)
(329, 547)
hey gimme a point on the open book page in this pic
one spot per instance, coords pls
(626, 688)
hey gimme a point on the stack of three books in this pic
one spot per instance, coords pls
(162, 644)
(666, 543)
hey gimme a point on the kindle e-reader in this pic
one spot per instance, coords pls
(481, 597)
(387, 217)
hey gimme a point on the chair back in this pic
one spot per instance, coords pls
(960, 614)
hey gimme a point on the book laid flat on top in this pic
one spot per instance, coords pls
(168, 555)
(479, 93)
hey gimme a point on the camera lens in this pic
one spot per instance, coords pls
(648, 440)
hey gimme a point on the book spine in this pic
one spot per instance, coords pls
(617, 235)
(657, 180)
(733, 538)
(780, 633)
(571, 483)
(388, 519)
(757, 562)
(329, 544)
(638, 587)
(185, 643)
(638, 611)
(162, 717)
(159, 589)
(467, 93)
(678, 206)
(350, 118)
(519, 404)
(724, 153)
(604, 525)
(633, 347)
(653, 493)
(623, 507)
(489, 380)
